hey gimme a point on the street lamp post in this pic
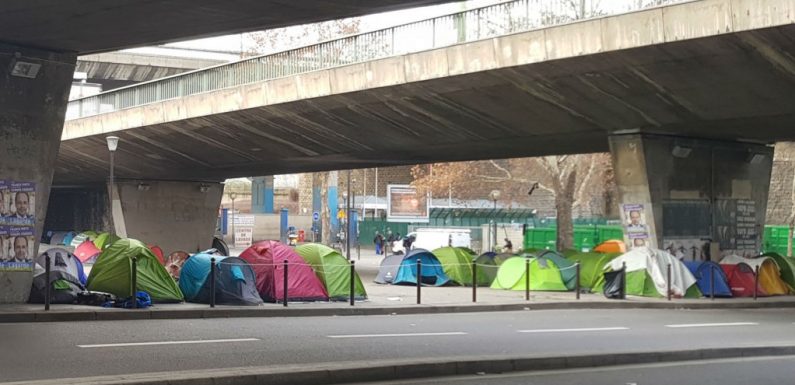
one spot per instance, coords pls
(495, 195)
(232, 197)
(113, 143)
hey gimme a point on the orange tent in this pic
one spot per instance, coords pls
(611, 246)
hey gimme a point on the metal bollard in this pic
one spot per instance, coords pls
(134, 282)
(577, 279)
(358, 251)
(668, 281)
(419, 281)
(712, 283)
(623, 280)
(474, 282)
(212, 282)
(285, 288)
(756, 281)
(527, 279)
(48, 290)
(353, 281)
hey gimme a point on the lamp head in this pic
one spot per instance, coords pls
(113, 142)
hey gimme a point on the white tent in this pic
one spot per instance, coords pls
(655, 263)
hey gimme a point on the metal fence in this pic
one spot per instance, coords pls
(472, 25)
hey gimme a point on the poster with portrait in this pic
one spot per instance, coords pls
(23, 203)
(18, 248)
(5, 201)
(635, 225)
(406, 204)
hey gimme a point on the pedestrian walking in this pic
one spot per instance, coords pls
(379, 243)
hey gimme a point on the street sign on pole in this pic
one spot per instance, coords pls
(315, 216)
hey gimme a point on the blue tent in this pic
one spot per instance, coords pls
(701, 270)
(432, 272)
(67, 238)
(235, 282)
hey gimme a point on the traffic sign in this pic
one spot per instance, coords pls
(315, 216)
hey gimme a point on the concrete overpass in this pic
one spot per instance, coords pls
(714, 78)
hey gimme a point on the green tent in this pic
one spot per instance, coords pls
(568, 273)
(112, 273)
(104, 240)
(592, 267)
(457, 264)
(488, 264)
(647, 270)
(333, 270)
(786, 267)
(544, 275)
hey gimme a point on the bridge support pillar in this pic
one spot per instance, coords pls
(173, 215)
(34, 88)
(333, 204)
(262, 195)
(692, 197)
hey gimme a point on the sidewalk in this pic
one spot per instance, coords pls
(385, 299)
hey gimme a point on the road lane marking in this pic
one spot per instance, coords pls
(167, 343)
(712, 324)
(607, 329)
(398, 335)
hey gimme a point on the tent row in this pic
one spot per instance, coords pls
(315, 273)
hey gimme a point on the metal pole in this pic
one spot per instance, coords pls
(212, 282)
(527, 279)
(134, 282)
(474, 282)
(668, 281)
(348, 220)
(110, 198)
(353, 281)
(577, 279)
(756, 281)
(284, 295)
(47, 292)
(623, 280)
(712, 283)
(419, 281)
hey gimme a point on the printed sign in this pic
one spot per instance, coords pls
(244, 220)
(406, 204)
(635, 225)
(17, 227)
(244, 236)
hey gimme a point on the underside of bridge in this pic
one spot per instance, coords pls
(732, 87)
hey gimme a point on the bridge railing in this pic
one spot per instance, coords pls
(467, 26)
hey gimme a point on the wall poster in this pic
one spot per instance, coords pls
(635, 225)
(17, 225)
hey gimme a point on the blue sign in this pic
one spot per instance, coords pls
(315, 216)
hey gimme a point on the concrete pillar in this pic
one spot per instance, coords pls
(692, 197)
(173, 215)
(262, 195)
(34, 87)
(333, 204)
(317, 205)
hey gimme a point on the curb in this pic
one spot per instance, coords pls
(251, 312)
(341, 373)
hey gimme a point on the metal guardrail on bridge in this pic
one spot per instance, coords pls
(443, 31)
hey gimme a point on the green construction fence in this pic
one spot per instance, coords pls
(585, 237)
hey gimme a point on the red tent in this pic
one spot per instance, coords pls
(267, 260)
(87, 252)
(741, 280)
(158, 253)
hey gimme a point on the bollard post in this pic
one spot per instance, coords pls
(134, 283)
(623, 280)
(527, 279)
(419, 281)
(712, 283)
(212, 282)
(577, 278)
(358, 251)
(284, 295)
(668, 281)
(353, 281)
(756, 281)
(474, 282)
(48, 291)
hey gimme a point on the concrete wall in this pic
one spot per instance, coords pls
(172, 215)
(77, 209)
(31, 119)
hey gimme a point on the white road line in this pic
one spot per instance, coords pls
(712, 324)
(398, 335)
(167, 343)
(607, 329)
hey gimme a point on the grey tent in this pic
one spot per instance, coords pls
(235, 282)
(66, 280)
(389, 268)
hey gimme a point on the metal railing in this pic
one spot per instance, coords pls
(467, 26)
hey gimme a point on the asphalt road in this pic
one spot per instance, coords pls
(68, 350)
(744, 371)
